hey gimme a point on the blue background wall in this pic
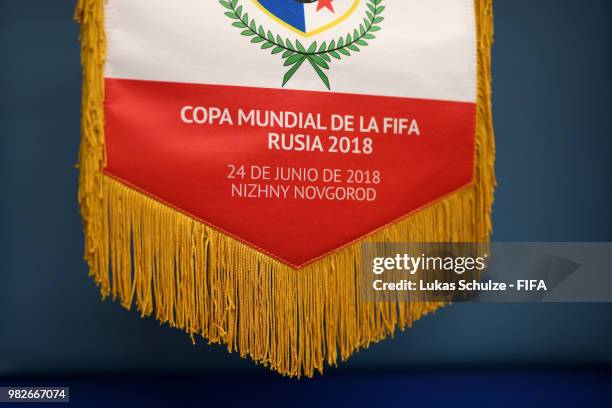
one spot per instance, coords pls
(552, 104)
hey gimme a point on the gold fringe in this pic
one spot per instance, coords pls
(207, 283)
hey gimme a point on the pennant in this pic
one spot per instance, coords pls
(236, 154)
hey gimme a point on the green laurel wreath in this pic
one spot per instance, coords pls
(317, 55)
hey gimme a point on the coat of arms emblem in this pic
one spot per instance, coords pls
(307, 18)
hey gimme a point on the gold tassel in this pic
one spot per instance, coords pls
(198, 279)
